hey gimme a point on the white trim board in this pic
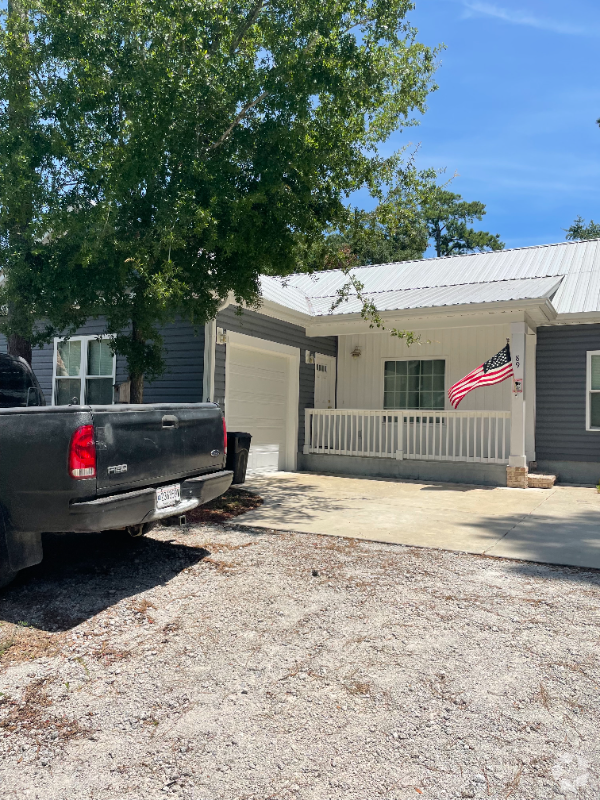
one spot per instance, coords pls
(242, 340)
(588, 389)
(208, 374)
(84, 361)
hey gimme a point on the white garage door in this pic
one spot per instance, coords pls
(257, 400)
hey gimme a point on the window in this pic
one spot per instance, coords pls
(18, 387)
(84, 371)
(414, 384)
(593, 390)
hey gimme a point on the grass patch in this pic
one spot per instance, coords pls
(231, 504)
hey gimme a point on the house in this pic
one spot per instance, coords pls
(321, 391)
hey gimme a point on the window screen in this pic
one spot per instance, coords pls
(414, 384)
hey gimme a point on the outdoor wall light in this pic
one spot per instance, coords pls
(356, 352)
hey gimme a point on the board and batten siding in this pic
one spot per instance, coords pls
(260, 326)
(561, 435)
(184, 355)
(360, 379)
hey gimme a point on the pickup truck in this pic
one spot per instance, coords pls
(92, 468)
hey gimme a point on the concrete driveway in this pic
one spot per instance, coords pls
(554, 526)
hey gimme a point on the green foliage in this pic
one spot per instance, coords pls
(28, 153)
(201, 144)
(414, 213)
(579, 230)
(448, 217)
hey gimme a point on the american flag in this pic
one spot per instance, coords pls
(497, 369)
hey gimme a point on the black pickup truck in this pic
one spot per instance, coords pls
(93, 468)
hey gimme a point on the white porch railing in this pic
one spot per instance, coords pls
(478, 436)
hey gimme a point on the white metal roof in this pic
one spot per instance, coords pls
(567, 273)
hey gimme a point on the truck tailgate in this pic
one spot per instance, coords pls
(153, 444)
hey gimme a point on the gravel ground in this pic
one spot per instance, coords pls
(219, 663)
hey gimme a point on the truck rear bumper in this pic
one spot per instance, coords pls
(136, 508)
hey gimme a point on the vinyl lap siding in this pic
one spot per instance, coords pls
(184, 354)
(252, 323)
(561, 394)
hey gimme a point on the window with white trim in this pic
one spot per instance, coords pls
(84, 371)
(593, 390)
(415, 384)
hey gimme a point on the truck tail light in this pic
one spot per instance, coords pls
(224, 437)
(82, 453)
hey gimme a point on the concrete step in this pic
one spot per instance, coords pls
(535, 480)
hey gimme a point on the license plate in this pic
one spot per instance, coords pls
(168, 496)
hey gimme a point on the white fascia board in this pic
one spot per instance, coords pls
(276, 311)
(585, 318)
(270, 309)
(468, 315)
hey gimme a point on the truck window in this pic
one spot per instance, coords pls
(17, 385)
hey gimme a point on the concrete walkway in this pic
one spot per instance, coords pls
(556, 526)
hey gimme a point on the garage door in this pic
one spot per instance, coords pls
(257, 392)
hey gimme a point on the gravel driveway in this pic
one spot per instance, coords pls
(215, 663)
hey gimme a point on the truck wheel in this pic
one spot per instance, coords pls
(7, 575)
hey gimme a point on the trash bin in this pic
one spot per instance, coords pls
(238, 447)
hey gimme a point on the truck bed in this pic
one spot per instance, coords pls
(138, 447)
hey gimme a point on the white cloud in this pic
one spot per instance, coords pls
(477, 8)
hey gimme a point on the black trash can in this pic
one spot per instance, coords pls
(238, 447)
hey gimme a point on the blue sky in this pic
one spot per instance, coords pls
(514, 115)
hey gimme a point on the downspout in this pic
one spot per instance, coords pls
(208, 379)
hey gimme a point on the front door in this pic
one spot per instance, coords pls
(324, 381)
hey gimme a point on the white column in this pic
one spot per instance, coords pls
(208, 380)
(518, 454)
(530, 393)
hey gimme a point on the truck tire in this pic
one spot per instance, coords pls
(7, 575)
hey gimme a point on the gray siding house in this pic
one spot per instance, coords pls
(320, 390)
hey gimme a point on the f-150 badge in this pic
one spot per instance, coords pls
(118, 469)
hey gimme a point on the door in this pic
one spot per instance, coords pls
(257, 402)
(324, 381)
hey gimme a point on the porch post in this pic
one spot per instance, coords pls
(516, 472)
(530, 393)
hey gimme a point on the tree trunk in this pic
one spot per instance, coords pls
(137, 389)
(20, 123)
(438, 240)
(135, 358)
(18, 346)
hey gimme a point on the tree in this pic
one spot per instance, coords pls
(580, 231)
(414, 213)
(203, 143)
(448, 217)
(25, 160)
(394, 231)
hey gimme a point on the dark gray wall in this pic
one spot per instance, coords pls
(184, 352)
(561, 394)
(274, 330)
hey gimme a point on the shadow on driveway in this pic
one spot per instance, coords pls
(559, 526)
(82, 575)
(545, 536)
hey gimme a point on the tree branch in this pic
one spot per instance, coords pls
(237, 120)
(246, 25)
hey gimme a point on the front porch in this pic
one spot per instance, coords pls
(454, 446)
(392, 416)
(473, 436)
